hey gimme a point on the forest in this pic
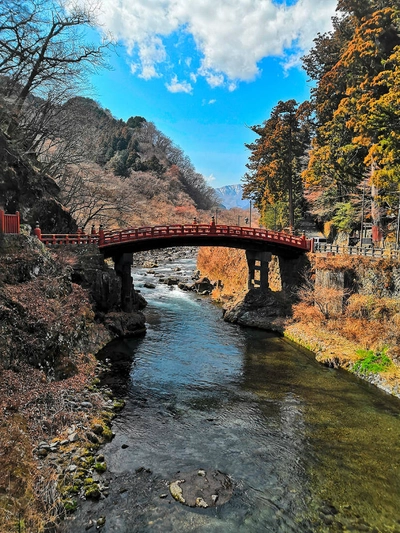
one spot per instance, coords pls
(336, 157)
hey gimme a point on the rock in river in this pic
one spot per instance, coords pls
(202, 488)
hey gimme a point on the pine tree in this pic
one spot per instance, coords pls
(275, 162)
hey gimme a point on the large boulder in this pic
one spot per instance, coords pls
(264, 310)
(25, 189)
(203, 285)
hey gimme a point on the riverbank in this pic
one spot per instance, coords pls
(51, 327)
(360, 334)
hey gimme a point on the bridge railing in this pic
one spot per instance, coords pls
(366, 251)
(53, 239)
(108, 238)
(9, 223)
(68, 238)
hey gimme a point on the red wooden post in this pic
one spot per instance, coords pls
(101, 235)
(18, 222)
(2, 221)
(37, 231)
(92, 234)
(212, 228)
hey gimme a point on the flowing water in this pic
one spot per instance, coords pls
(307, 448)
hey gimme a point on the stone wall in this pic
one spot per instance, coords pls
(363, 275)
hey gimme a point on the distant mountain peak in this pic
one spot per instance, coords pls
(231, 196)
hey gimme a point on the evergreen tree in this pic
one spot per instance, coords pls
(276, 158)
(356, 101)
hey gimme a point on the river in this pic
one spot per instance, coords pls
(307, 448)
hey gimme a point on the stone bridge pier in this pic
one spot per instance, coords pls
(258, 265)
(267, 271)
(122, 265)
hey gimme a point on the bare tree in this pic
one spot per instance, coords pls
(92, 194)
(43, 48)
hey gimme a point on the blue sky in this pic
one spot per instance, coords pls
(204, 74)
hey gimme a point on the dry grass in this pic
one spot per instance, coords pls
(227, 265)
(343, 262)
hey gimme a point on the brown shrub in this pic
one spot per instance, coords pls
(371, 307)
(304, 312)
(227, 265)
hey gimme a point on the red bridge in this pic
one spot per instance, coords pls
(114, 243)
(260, 245)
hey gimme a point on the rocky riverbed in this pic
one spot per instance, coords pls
(153, 258)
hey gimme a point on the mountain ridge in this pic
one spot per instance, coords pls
(232, 196)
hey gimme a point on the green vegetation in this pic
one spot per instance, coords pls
(100, 467)
(92, 491)
(70, 505)
(371, 362)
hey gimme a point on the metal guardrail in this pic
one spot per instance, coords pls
(364, 251)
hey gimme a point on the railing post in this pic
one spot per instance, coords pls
(212, 225)
(2, 221)
(37, 231)
(92, 234)
(101, 235)
(18, 218)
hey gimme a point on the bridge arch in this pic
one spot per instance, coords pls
(112, 243)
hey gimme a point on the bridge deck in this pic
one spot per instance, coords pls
(151, 237)
(197, 235)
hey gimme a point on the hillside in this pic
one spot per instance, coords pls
(121, 173)
(87, 167)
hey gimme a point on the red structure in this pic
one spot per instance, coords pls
(146, 238)
(113, 243)
(9, 223)
(66, 238)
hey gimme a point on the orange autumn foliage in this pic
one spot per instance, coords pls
(227, 265)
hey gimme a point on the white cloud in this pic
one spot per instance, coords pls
(232, 36)
(179, 87)
(213, 79)
(210, 178)
(151, 53)
(209, 102)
